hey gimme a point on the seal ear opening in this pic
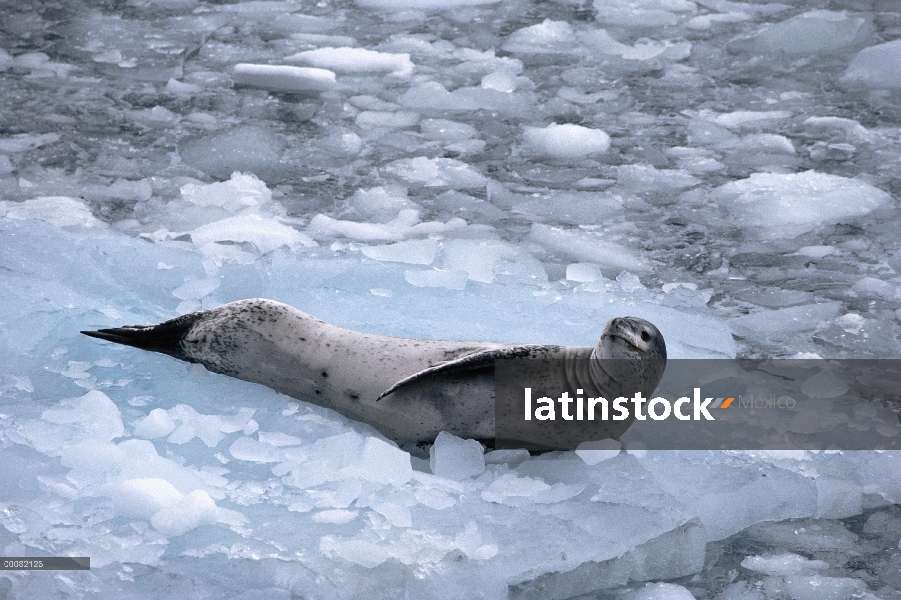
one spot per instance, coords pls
(165, 337)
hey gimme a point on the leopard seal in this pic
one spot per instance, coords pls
(408, 389)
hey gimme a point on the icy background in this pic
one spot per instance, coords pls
(516, 171)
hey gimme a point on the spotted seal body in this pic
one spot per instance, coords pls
(409, 389)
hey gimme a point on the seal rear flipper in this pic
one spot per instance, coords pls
(480, 361)
(165, 337)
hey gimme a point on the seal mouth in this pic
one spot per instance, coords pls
(615, 328)
(165, 337)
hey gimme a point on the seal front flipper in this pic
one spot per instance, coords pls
(480, 361)
(166, 337)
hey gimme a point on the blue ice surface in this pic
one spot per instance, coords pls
(232, 486)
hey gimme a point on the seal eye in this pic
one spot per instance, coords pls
(644, 336)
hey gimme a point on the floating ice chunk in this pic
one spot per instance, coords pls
(705, 22)
(142, 498)
(265, 233)
(31, 60)
(817, 31)
(337, 516)
(784, 564)
(319, 39)
(277, 438)
(443, 130)
(629, 283)
(356, 60)
(487, 62)
(784, 206)
(121, 189)
(397, 514)
(284, 78)
(434, 498)
(742, 590)
(435, 172)
(350, 456)
(547, 36)
(601, 41)
(871, 287)
(712, 483)
(93, 459)
(823, 385)
(749, 118)
(92, 416)
(6, 60)
(660, 591)
(399, 119)
(767, 142)
(837, 126)
(669, 287)
(196, 289)
(382, 462)
(180, 88)
(249, 449)
(642, 178)
(40, 65)
(240, 192)
(587, 247)
(876, 66)
(380, 204)
(418, 252)
(815, 587)
(805, 535)
(18, 382)
(642, 13)
(114, 57)
(361, 552)
(512, 490)
(566, 141)
(341, 143)
(405, 225)
(851, 322)
(511, 485)
(23, 142)
(583, 272)
(785, 320)
(455, 458)
(574, 208)
(155, 425)
(192, 511)
(479, 258)
(501, 81)
(404, 5)
(209, 428)
(59, 211)
(596, 452)
(246, 149)
(433, 95)
(453, 280)
(506, 457)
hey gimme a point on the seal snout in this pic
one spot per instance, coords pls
(165, 337)
(631, 337)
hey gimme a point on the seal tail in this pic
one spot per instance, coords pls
(165, 337)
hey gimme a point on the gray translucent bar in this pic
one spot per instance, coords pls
(701, 404)
(45, 563)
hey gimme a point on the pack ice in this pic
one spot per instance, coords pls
(512, 171)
